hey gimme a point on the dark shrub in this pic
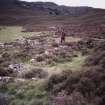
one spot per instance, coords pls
(5, 55)
(85, 86)
(40, 58)
(53, 80)
(55, 44)
(5, 71)
(22, 56)
(35, 73)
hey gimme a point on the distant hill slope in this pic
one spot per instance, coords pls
(39, 16)
(43, 7)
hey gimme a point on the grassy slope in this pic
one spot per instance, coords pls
(10, 33)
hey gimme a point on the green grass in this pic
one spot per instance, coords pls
(10, 33)
(75, 64)
(25, 93)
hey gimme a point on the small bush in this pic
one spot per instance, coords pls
(55, 44)
(34, 73)
(40, 58)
